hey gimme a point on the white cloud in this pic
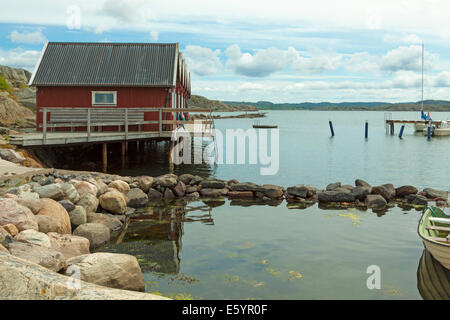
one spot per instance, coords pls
(412, 38)
(362, 62)
(268, 61)
(405, 58)
(35, 37)
(127, 11)
(401, 38)
(19, 58)
(202, 61)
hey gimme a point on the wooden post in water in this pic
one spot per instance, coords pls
(122, 153)
(104, 157)
(331, 128)
(429, 132)
(401, 131)
(171, 144)
(366, 130)
(392, 128)
(137, 146)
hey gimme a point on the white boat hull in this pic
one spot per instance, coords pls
(438, 132)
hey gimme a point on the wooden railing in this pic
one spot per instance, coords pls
(101, 117)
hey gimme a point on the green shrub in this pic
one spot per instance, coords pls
(4, 85)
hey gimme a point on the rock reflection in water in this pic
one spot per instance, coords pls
(433, 280)
(154, 236)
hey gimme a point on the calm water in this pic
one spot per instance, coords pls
(225, 251)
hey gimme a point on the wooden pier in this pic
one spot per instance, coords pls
(79, 123)
(390, 124)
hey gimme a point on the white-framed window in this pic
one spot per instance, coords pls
(104, 98)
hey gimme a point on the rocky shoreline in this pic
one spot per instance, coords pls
(57, 219)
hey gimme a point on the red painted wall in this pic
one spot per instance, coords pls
(127, 97)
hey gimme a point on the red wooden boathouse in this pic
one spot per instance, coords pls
(111, 75)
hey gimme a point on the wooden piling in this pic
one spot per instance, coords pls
(104, 157)
(331, 128)
(366, 130)
(401, 131)
(137, 146)
(392, 128)
(171, 167)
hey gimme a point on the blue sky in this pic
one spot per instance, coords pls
(280, 51)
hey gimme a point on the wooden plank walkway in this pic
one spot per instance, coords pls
(412, 121)
(204, 127)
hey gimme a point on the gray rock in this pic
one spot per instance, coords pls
(245, 186)
(70, 193)
(167, 181)
(145, 183)
(186, 178)
(360, 193)
(333, 186)
(193, 195)
(301, 191)
(272, 191)
(52, 191)
(416, 199)
(180, 189)
(67, 204)
(97, 234)
(137, 198)
(77, 216)
(362, 183)
(154, 194)
(168, 194)
(11, 156)
(335, 196)
(35, 237)
(212, 184)
(34, 205)
(213, 193)
(192, 189)
(435, 194)
(403, 191)
(385, 191)
(196, 180)
(13, 213)
(375, 201)
(111, 222)
(45, 257)
(47, 224)
(112, 270)
(89, 202)
(23, 279)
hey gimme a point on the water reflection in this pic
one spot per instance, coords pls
(433, 280)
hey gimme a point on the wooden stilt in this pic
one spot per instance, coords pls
(137, 146)
(105, 157)
(171, 145)
(122, 153)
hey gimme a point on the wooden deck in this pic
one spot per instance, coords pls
(57, 138)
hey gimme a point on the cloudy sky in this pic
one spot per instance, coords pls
(280, 51)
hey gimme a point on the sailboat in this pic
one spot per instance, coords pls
(441, 128)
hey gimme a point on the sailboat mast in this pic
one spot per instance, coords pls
(422, 74)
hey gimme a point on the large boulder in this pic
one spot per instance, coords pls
(69, 245)
(167, 181)
(47, 224)
(335, 196)
(154, 194)
(362, 183)
(120, 186)
(375, 201)
(89, 202)
(241, 194)
(386, 191)
(77, 216)
(212, 184)
(35, 237)
(137, 198)
(416, 199)
(16, 214)
(431, 193)
(180, 189)
(97, 234)
(168, 194)
(360, 193)
(53, 209)
(111, 222)
(25, 280)
(113, 201)
(33, 204)
(111, 270)
(213, 193)
(333, 186)
(46, 257)
(11, 229)
(301, 191)
(84, 187)
(11, 156)
(145, 183)
(272, 191)
(245, 186)
(186, 178)
(403, 191)
(70, 193)
(52, 191)
(67, 204)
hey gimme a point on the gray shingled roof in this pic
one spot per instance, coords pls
(106, 64)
